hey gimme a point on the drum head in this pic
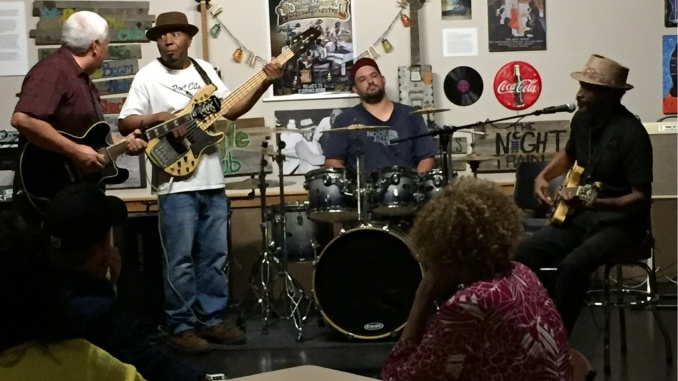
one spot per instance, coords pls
(365, 281)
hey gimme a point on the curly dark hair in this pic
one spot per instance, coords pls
(470, 227)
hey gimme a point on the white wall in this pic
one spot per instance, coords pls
(626, 31)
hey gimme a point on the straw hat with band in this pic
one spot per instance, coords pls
(605, 72)
(171, 22)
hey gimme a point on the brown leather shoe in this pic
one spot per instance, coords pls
(222, 334)
(188, 342)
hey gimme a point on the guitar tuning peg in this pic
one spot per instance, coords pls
(215, 10)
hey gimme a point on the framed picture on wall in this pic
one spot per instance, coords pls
(456, 9)
(669, 81)
(304, 149)
(320, 71)
(670, 13)
(516, 25)
(136, 165)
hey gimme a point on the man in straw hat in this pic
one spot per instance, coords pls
(614, 148)
(193, 210)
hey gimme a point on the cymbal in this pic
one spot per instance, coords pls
(427, 110)
(269, 130)
(270, 151)
(357, 127)
(254, 184)
(472, 157)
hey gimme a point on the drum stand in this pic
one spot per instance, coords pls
(261, 276)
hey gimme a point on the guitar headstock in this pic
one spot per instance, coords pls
(416, 4)
(304, 40)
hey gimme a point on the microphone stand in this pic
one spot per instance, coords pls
(445, 133)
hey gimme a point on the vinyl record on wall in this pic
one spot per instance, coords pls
(463, 86)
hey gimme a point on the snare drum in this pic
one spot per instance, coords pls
(395, 191)
(365, 281)
(305, 238)
(431, 182)
(330, 195)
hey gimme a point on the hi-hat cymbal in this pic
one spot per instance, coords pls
(357, 127)
(269, 151)
(428, 110)
(269, 130)
(472, 157)
(254, 184)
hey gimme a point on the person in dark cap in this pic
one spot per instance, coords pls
(37, 341)
(193, 209)
(375, 109)
(78, 225)
(614, 148)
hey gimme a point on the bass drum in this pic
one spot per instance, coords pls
(365, 280)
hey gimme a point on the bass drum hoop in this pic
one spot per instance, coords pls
(377, 227)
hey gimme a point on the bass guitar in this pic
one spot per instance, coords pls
(180, 156)
(586, 193)
(44, 173)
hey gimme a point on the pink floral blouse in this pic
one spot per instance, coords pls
(504, 329)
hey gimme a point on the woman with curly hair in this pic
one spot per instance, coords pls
(495, 321)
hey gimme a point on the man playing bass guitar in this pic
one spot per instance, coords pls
(615, 150)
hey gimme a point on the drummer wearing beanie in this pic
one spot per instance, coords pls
(376, 109)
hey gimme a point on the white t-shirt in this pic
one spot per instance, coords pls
(157, 88)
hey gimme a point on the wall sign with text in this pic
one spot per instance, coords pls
(517, 85)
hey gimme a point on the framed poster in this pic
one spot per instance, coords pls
(516, 25)
(320, 71)
(456, 9)
(670, 13)
(669, 81)
(136, 165)
(304, 150)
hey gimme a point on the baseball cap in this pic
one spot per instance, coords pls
(81, 215)
(365, 61)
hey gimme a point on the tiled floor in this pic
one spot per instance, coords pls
(324, 347)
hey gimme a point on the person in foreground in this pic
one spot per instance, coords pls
(495, 321)
(376, 109)
(614, 148)
(36, 341)
(193, 210)
(78, 223)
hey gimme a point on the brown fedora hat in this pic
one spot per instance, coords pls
(603, 71)
(171, 22)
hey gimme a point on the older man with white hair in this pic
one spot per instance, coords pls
(57, 95)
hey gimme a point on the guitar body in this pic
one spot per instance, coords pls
(561, 209)
(44, 173)
(415, 82)
(180, 156)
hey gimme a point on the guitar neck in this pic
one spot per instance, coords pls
(243, 90)
(203, 29)
(414, 36)
(113, 151)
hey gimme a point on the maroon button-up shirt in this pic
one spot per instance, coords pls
(57, 91)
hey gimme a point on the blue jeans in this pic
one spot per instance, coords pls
(193, 231)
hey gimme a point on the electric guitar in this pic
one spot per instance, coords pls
(180, 156)
(586, 193)
(44, 173)
(415, 82)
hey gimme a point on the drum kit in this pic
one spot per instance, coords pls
(364, 279)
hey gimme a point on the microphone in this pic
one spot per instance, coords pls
(569, 107)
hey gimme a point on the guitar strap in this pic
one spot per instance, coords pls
(609, 139)
(202, 73)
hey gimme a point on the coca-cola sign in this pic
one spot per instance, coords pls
(517, 85)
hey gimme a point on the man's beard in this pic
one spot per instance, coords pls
(374, 98)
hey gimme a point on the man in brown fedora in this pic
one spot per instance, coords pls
(193, 210)
(614, 148)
